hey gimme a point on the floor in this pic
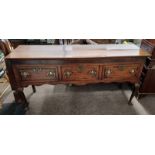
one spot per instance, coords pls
(98, 99)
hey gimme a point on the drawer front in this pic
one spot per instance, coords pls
(122, 72)
(76, 72)
(36, 72)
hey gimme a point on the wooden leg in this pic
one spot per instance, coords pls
(20, 97)
(33, 88)
(120, 85)
(135, 90)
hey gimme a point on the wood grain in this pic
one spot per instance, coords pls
(71, 51)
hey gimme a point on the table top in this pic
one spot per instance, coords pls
(76, 51)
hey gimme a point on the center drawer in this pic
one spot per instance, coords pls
(76, 72)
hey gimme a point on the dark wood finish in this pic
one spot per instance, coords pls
(122, 71)
(148, 74)
(33, 88)
(29, 73)
(76, 64)
(135, 90)
(78, 72)
(20, 97)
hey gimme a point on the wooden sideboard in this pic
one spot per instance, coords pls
(72, 64)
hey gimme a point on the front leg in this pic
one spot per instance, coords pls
(20, 97)
(135, 90)
(34, 89)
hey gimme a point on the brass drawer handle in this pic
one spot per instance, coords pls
(52, 74)
(132, 71)
(108, 72)
(25, 74)
(93, 73)
(67, 74)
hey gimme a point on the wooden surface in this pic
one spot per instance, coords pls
(72, 51)
(75, 64)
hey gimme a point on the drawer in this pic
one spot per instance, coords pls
(36, 72)
(76, 72)
(123, 72)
